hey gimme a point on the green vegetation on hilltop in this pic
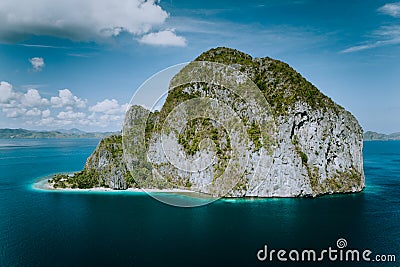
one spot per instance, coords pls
(281, 85)
(113, 144)
(226, 56)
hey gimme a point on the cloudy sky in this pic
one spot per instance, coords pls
(77, 63)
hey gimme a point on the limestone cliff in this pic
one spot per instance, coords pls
(300, 143)
(107, 166)
(104, 168)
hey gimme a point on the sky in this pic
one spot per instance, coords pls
(77, 63)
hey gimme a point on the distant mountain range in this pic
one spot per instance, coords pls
(76, 133)
(62, 133)
(371, 136)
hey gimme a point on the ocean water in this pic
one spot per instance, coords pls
(42, 228)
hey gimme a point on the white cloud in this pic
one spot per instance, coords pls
(163, 38)
(46, 113)
(37, 63)
(386, 35)
(32, 98)
(65, 98)
(70, 115)
(9, 103)
(34, 112)
(76, 19)
(6, 92)
(44, 46)
(107, 117)
(15, 104)
(391, 9)
(110, 107)
(358, 48)
(46, 121)
(14, 112)
(107, 112)
(31, 109)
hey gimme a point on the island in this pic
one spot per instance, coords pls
(374, 136)
(286, 139)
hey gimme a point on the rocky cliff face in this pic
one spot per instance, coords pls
(284, 139)
(104, 168)
(107, 166)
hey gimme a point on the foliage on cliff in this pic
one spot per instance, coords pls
(281, 85)
(105, 162)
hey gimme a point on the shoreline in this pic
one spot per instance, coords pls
(43, 185)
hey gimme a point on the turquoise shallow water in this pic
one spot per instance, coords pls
(39, 228)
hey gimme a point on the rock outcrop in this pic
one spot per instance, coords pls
(285, 139)
(104, 168)
(107, 165)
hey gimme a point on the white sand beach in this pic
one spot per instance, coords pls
(43, 184)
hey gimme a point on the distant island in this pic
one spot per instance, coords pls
(374, 136)
(62, 133)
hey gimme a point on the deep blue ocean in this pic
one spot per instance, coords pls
(43, 228)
